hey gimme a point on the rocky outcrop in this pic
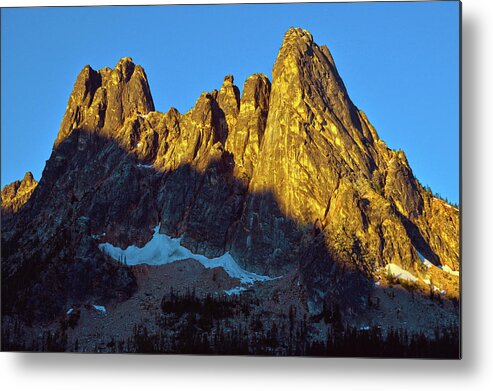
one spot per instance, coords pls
(102, 100)
(291, 177)
(245, 137)
(16, 194)
(228, 103)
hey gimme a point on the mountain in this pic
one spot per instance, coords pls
(288, 181)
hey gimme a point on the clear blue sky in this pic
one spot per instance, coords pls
(399, 61)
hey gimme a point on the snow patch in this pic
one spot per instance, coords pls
(162, 249)
(437, 289)
(448, 269)
(144, 165)
(399, 273)
(425, 262)
(99, 308)
(235, 291)
(98, 236)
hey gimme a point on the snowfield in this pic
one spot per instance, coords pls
(445, 268)
(140, 165)
(99, 308)
(448, 269)
(425, 262)
(162, 249)
(235, 291)
(401, 274)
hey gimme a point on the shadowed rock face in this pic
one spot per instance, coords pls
(292, 176)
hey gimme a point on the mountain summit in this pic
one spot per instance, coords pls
(288, 182)
(16, 194)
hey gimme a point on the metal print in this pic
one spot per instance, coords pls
(307, 206)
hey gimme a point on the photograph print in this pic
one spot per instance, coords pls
(244, 179)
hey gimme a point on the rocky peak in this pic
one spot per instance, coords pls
(16, 194)
(311, 114)
(125, 68)
(310, 70)
(228, 80)
(297, 48)
(321, 160)
(228, 101)
(28, 180)
(295, 35)
(102, 100)
(228, 96)
(128, 93)
(245, 138)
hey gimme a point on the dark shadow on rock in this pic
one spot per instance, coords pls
(91, 187)
(418, 240)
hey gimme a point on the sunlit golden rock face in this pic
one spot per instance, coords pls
(291, 177)
(228, 102)
(102, 100)
(439, 226)
(325, 165)
(16, 194)
(311, 122)
(246, 134)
